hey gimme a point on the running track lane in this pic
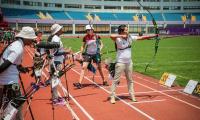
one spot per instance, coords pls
(41, 103)
(157, 105)
(162, 105)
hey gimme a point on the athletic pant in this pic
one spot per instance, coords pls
(119, 68)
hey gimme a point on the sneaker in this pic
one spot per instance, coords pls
(105, 83)
(47, 82)
(133, 99)
(112, 100)
(58, 101)
(77, 85)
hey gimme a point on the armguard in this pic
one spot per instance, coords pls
(4, 65)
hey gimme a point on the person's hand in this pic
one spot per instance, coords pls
(69, 50)
(23, 69)
(81, 57)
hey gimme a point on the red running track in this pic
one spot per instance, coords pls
(91, 102)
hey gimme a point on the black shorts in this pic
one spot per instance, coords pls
(96, 58)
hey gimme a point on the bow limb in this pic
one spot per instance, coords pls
(157, 38)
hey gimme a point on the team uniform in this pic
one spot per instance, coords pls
(58, 58)
(14, 54)
(10, 76)
(123, 63)
(92, 50)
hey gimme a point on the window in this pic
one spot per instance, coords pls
(92, 6)
(171, 0)
(191, 8)
(112, 7)
(175, 7)
(57, 5)
(166, 8)
(130, 0)
(15, 2)
(112, 0)
(171, 7)
(49, 5)
(131, 7)
(152, 7)
(73, 6)
(29, 3)
(175, 0)
(151, 0)
(191, 0)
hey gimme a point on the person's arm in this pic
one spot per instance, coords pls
(82, 50)
(4, 65)
(101, 45)
(115, 36)
(146, 37)
(82, 47)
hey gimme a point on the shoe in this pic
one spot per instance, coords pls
(133, 99)
(58, 101)
(41, 84)
(77, 85)
(112, 100)
(47, 82)
(105, 83)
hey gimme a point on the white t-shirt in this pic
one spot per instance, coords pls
(57, 39)
(14, 54)
(124, 55)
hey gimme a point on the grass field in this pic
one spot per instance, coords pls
(179, 56)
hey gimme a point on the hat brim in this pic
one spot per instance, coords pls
(60, 27)
(25, 36)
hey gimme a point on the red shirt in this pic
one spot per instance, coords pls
(91, 44)
(90, 37)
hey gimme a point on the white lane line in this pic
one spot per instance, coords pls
(179, 91)
(75, 117)
(82, 109)
(190, 104)
(133, 107)
(149, 92)
(148, 101)
(75, 101)
(66, 102)
(145, 79)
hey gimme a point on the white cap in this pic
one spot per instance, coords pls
(27, 33)
(55, 28)
(89, 27)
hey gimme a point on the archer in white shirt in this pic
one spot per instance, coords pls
(124, 63)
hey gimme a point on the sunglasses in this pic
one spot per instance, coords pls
(89, 30)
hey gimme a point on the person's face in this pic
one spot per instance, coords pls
(126, 30)
(60, 32)
(39, 34)
(90, 31)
